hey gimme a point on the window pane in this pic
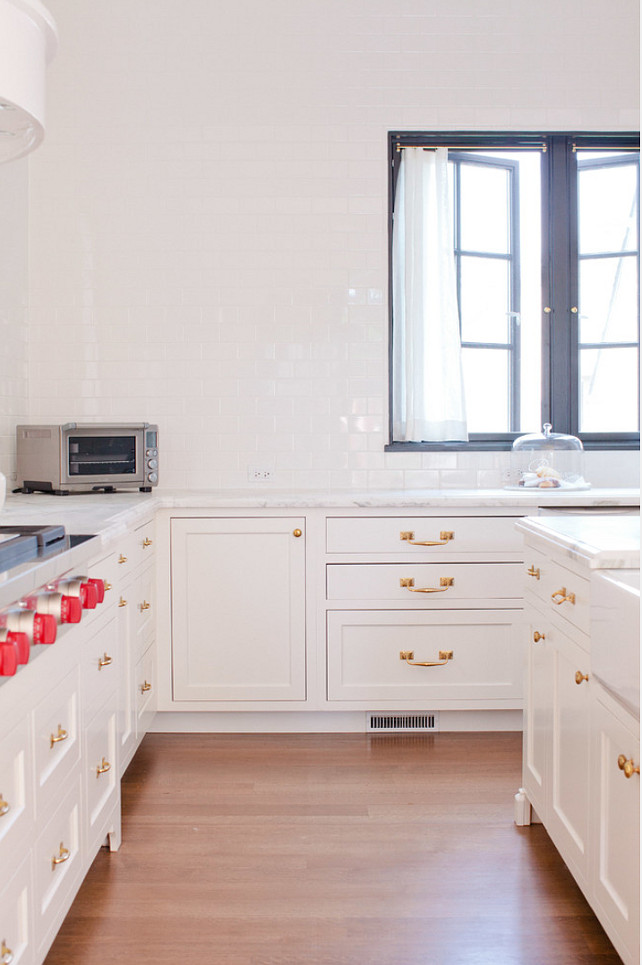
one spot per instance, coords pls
(608, 208)
(609, 390)
(487, 381)
(484, 209)
(609, 300)
(485, 300)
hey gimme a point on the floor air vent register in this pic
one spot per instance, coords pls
(389, 723)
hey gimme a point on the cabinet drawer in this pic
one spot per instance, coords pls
(16, 925)
(142, 597)
(145, 676)
(101, 774)
(58, 866)
(100, 670)
(452, 535)
(559, 589)
(144, 544)
(364, 660)
(57, 743)
(433, 585)
(16, 793)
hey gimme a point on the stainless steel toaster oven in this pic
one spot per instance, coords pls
(87, 457)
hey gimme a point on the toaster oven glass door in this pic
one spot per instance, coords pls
(97, 457)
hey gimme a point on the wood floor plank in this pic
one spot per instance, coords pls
(328, 850)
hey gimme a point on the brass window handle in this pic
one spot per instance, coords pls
(627, 766)
(408, 583)
(580, 677)
(5, 807)
(533, 571)
(564, 597)
(104, 661)
(63, 855)
(62, 735)
(444, 537)
(409, 657)
(103, 767)
(145, 687)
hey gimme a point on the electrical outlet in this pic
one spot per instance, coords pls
(259, 474)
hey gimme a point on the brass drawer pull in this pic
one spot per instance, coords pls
(407, 583)
(122, 602)
(5, 807)
(145, 687)
(107, 585)
(627, 766)
(122, 559)
(580, 677)
(564, 597)
(104, 661)
(63, 855)
(145, 605)
(62, 735)
(6, 953)
(409, 657)
(537, 636)
(444, 537)
(147, 542)
(103, 767)
(533, 571)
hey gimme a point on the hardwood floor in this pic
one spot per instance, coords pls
(328, 850)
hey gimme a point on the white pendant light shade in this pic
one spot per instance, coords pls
(28, 41)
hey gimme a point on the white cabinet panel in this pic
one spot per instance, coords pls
(16, 918)
(102, 786)
(412, 536)
(57, 741)
(238, 609)
(16, 792)
(434, 585)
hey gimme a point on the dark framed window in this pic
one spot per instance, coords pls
(545, 242)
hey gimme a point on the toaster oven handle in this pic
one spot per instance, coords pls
(101, 425)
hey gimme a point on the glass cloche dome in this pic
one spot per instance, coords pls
(547, 460)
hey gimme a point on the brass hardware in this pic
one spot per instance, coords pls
(574, 310)
(409, 657)
(5, 807)
(444, 537)
(408, 583)
(145, 605)
(63, 855)
(627, 766)
(122, 602)
(62, 735)
(103, 767)
(533, 571)
(147, 542)
(107, 585)
(548, 310)
(580, 677)
(122, 559)
(104, 661)
(538, 636)
(145, 687)
(297, 532)
(564, 597)
(6, 953)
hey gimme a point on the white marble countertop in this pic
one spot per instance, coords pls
(598, 542)
(111, 515)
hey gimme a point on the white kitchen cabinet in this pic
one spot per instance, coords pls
(17, 940)
(238, 608)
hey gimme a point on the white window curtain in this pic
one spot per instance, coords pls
(428, 388)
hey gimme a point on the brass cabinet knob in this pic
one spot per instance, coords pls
(122, 559)
(147, 542)
(122, 602)
(145, 605)
(107, 585)
(627, 766)
(581, 677)
(145, 687)
(103, 767)
(6, 955)
(5, 807)
(533, 571)
(538, 636)
(63, 855)
(105, 661)
(297, 532)
(62, 735)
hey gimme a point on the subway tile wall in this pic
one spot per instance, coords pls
(208, 214)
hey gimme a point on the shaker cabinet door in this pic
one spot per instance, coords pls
(238, 609)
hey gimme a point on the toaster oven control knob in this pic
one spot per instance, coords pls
(20, 640)
(70, 609)
(45, 628)
(153, 477)
(100, 588)
(152, 463)
(88, 596)
(8, 658)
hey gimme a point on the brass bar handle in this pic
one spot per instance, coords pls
(147, 542)
(122, 602)
(5, 807)
(537, 636)
(564, 597)
(580, 677)
(533, 571)
(63, 855)
(6, 953)
(444, 537)
(105, 661)
(145, 687)
(408, 583)
(62, 735)
(145, 605)
(627, 766)
(409, 657)
(103, 767)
